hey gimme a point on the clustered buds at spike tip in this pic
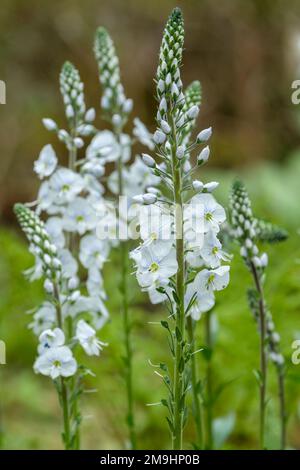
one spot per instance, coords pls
(71, 88)
(79, 120)
(114, 102)
(40, 244)
(193, 96)
(272, 337)
(268, 232)
(243, 224)
(169, 84)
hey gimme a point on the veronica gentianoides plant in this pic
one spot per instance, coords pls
(68, 255)
(179, 260)
(248, 232)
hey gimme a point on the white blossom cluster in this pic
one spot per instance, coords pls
(71, 200)
(155, 259)
(55, 358)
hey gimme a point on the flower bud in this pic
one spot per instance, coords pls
(90, 115)
(149, 198)
(138, 199)
(127, 106)
(153, 190)
(197, 186)
(180, 152)
(165, 127)
(159, 137)
(187, 166)
(48, 286)
(193, 112)
(204, 135)
(203, 155)
(49, 124)
(209, 187)
(116, 120)
(264, 260)
(78, 142)
(148, 160)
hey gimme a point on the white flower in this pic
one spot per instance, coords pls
(105, 147)
(212, 252)
(68, 263)
(203, 214)
(94, 283)
(56, 362)
(202, 302)
(156, 263)
(86, 335)
(93, 252)
(43, 318)
(65, 185)
(142, 134)
(155, 222)
(55, 230)
(79, 216)
(46, 163)
(50, 339)
(207, 281)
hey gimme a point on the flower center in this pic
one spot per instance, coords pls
(208, 216)
(210, 280)
(79, 218)
(154, 267)
(65, 188)
(57, 363)
(215, 250)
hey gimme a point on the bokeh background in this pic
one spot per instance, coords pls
(246, 54)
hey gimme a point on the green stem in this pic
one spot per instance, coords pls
(263, 354)
(126, 317)
(66, 414)
(283, 417)
(178, 389)
(64, 391)
(70, 245)
(209, 385)
(197, 412)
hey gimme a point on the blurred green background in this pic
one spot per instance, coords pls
(246, 54)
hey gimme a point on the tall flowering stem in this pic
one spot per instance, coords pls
(51, 266)
(248, 231)
(116, 107)
(179, 259)
(68, 198)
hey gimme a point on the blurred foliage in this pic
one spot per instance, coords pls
(244, 52)
(30, 413)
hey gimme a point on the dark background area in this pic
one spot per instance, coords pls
(245, 52)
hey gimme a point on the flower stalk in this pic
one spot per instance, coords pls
(248, 231)
(116, 109)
